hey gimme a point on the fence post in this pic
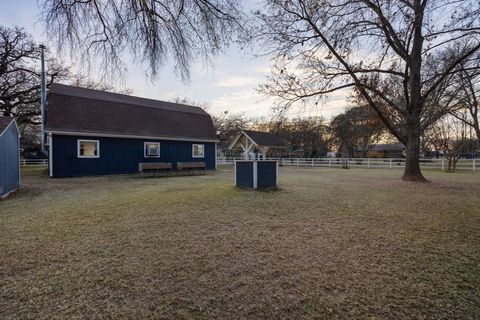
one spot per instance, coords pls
(474, 165)
(312, 162)
(390, 163)
(443, 165)
(297, 162)
(329, 162)
(368, 163)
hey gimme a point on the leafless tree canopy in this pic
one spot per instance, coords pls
(307, 137)
(355, 130)
(449, 135)
(398, 55)
(229, 125)
(20, 75)
(468, 96)
(153, 30)
(20, 81)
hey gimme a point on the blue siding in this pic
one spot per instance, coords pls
(266, 174)
(9, 160)
(121, 155)
(244, 174)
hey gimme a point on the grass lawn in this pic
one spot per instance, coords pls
(331, 244)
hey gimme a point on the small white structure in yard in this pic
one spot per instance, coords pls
(9, 156)
(257, 144)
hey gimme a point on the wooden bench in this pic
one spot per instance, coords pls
(154, 167)
(182, 166)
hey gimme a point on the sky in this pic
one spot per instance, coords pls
(229, 85)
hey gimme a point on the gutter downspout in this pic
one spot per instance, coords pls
(43, 94)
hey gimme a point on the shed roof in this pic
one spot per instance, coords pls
(4, 123)
(265, 138)
(74, 109)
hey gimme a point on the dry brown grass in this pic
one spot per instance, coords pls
(332, 244)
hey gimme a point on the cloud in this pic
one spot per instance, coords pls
(246, 101)
(263, 69)
(254, 104)
(237, 82)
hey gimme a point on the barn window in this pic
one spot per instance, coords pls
(152, 149)
(198, 151)
(88, 149)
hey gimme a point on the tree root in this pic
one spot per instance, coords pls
(415, 178)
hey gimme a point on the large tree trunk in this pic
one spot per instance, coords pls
(412, 149)
(412, 166)
(450, 163)
(477, 132)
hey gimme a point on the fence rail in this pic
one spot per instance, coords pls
(33, 162)
(367, 163)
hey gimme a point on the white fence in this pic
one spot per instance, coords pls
(33, 162)
(368, 163)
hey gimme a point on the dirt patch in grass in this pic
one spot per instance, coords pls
(356, 244)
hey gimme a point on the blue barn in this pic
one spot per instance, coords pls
(9, 156)
(91, 132)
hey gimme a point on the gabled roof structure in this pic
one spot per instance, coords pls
(249, 140)
(80, 110)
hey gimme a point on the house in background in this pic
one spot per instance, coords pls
(93, 132)
(256, 144)
(386, 150)
(9, 156)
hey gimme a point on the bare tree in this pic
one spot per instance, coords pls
(189, 102)
(228, 125)
(468, 96)
(153, 31)
(355, 130)
(20, 75)
(397, 55)
(448, 135)
(20, 81)
(308, 137)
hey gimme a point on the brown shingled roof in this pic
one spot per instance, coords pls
(74, 109)
(265, 138)
(4, 123)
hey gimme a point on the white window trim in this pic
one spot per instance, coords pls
(145, 149)
(193, 150)
(88, 157)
